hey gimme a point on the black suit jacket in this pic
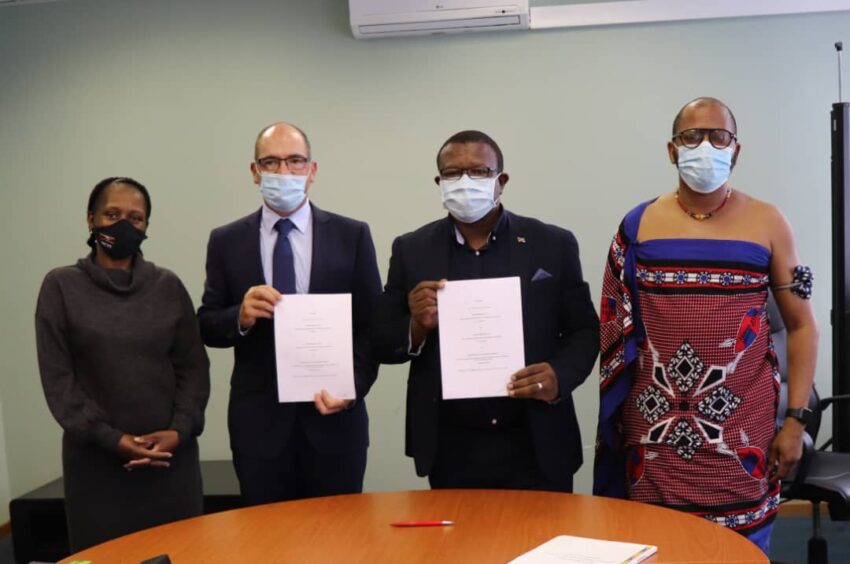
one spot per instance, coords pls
(559, 322)
(343, 261)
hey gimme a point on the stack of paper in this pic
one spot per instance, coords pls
(563, 549)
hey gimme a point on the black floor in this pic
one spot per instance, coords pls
(790, 536)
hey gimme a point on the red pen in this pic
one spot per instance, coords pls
(421, 523)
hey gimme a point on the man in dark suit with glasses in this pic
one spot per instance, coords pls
(530, 438)
(285, 451)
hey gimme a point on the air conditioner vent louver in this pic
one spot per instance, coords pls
(6, 3)
(387, 18)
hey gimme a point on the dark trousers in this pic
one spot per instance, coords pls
(300, 472)
(490, 458)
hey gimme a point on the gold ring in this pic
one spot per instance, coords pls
(539, 385)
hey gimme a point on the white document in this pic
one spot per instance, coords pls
(481, 340)
(313, 346)
(565, 549)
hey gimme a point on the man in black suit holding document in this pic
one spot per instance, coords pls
(285, 451)
(529, 438)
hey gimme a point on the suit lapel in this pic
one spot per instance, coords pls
(252, 249)
(520, 251)
(318, 272)
(436, 247)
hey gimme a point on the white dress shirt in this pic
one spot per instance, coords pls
(300, 238)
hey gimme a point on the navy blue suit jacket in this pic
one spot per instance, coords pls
(343, 261)
(559, 322)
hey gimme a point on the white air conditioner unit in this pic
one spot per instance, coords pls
(387, 18)
(4, 3)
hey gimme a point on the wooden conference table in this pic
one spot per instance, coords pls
(490, 526)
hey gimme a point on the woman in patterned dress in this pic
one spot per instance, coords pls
(689, 379)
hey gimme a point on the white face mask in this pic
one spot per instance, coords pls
(468, 199)
(704, 168)
(283, 192)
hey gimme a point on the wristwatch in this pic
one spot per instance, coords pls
(801, 414)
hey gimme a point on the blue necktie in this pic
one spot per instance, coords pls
(283, 266)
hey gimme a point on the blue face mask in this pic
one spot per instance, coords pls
(469, 199)
(283, 192)
(704, 168)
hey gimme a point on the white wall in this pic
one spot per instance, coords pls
(173, 93)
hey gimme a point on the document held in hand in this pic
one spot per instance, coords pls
(481, 338)
(313, 346)
(565, 549)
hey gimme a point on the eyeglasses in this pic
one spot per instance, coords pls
(294, 163)
(475, 173)
(719, 138)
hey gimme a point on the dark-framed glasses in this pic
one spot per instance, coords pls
(719, 138)
(292, 163)
(474, 173)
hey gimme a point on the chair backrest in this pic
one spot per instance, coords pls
(780, 345)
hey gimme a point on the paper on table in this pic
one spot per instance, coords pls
(481, 339)
(313, 346)
(565, 549)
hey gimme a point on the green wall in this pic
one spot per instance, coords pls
(173, 93)
(5, 493)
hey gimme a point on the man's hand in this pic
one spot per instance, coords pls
(536, 381)
(147, 450)
(326, 404)
(422, 302)
(258, 302)
(785, 449)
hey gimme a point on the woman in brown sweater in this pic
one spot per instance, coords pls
(125, 374)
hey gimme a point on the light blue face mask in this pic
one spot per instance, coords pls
(469, 199)
(283, 192)
(704, 168)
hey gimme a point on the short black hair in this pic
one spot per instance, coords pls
(703, 101)
(97, 192)
(473, 136)
(293, 126)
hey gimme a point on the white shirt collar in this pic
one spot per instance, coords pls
(300, 219)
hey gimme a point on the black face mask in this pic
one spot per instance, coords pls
(119, 240)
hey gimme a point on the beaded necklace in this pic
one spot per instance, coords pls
(703, 216)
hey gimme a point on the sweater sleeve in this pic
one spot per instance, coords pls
(72, 406)
(192, 371)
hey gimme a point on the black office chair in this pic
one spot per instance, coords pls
(821, 476)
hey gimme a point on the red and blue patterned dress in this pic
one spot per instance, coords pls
(689, 379)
